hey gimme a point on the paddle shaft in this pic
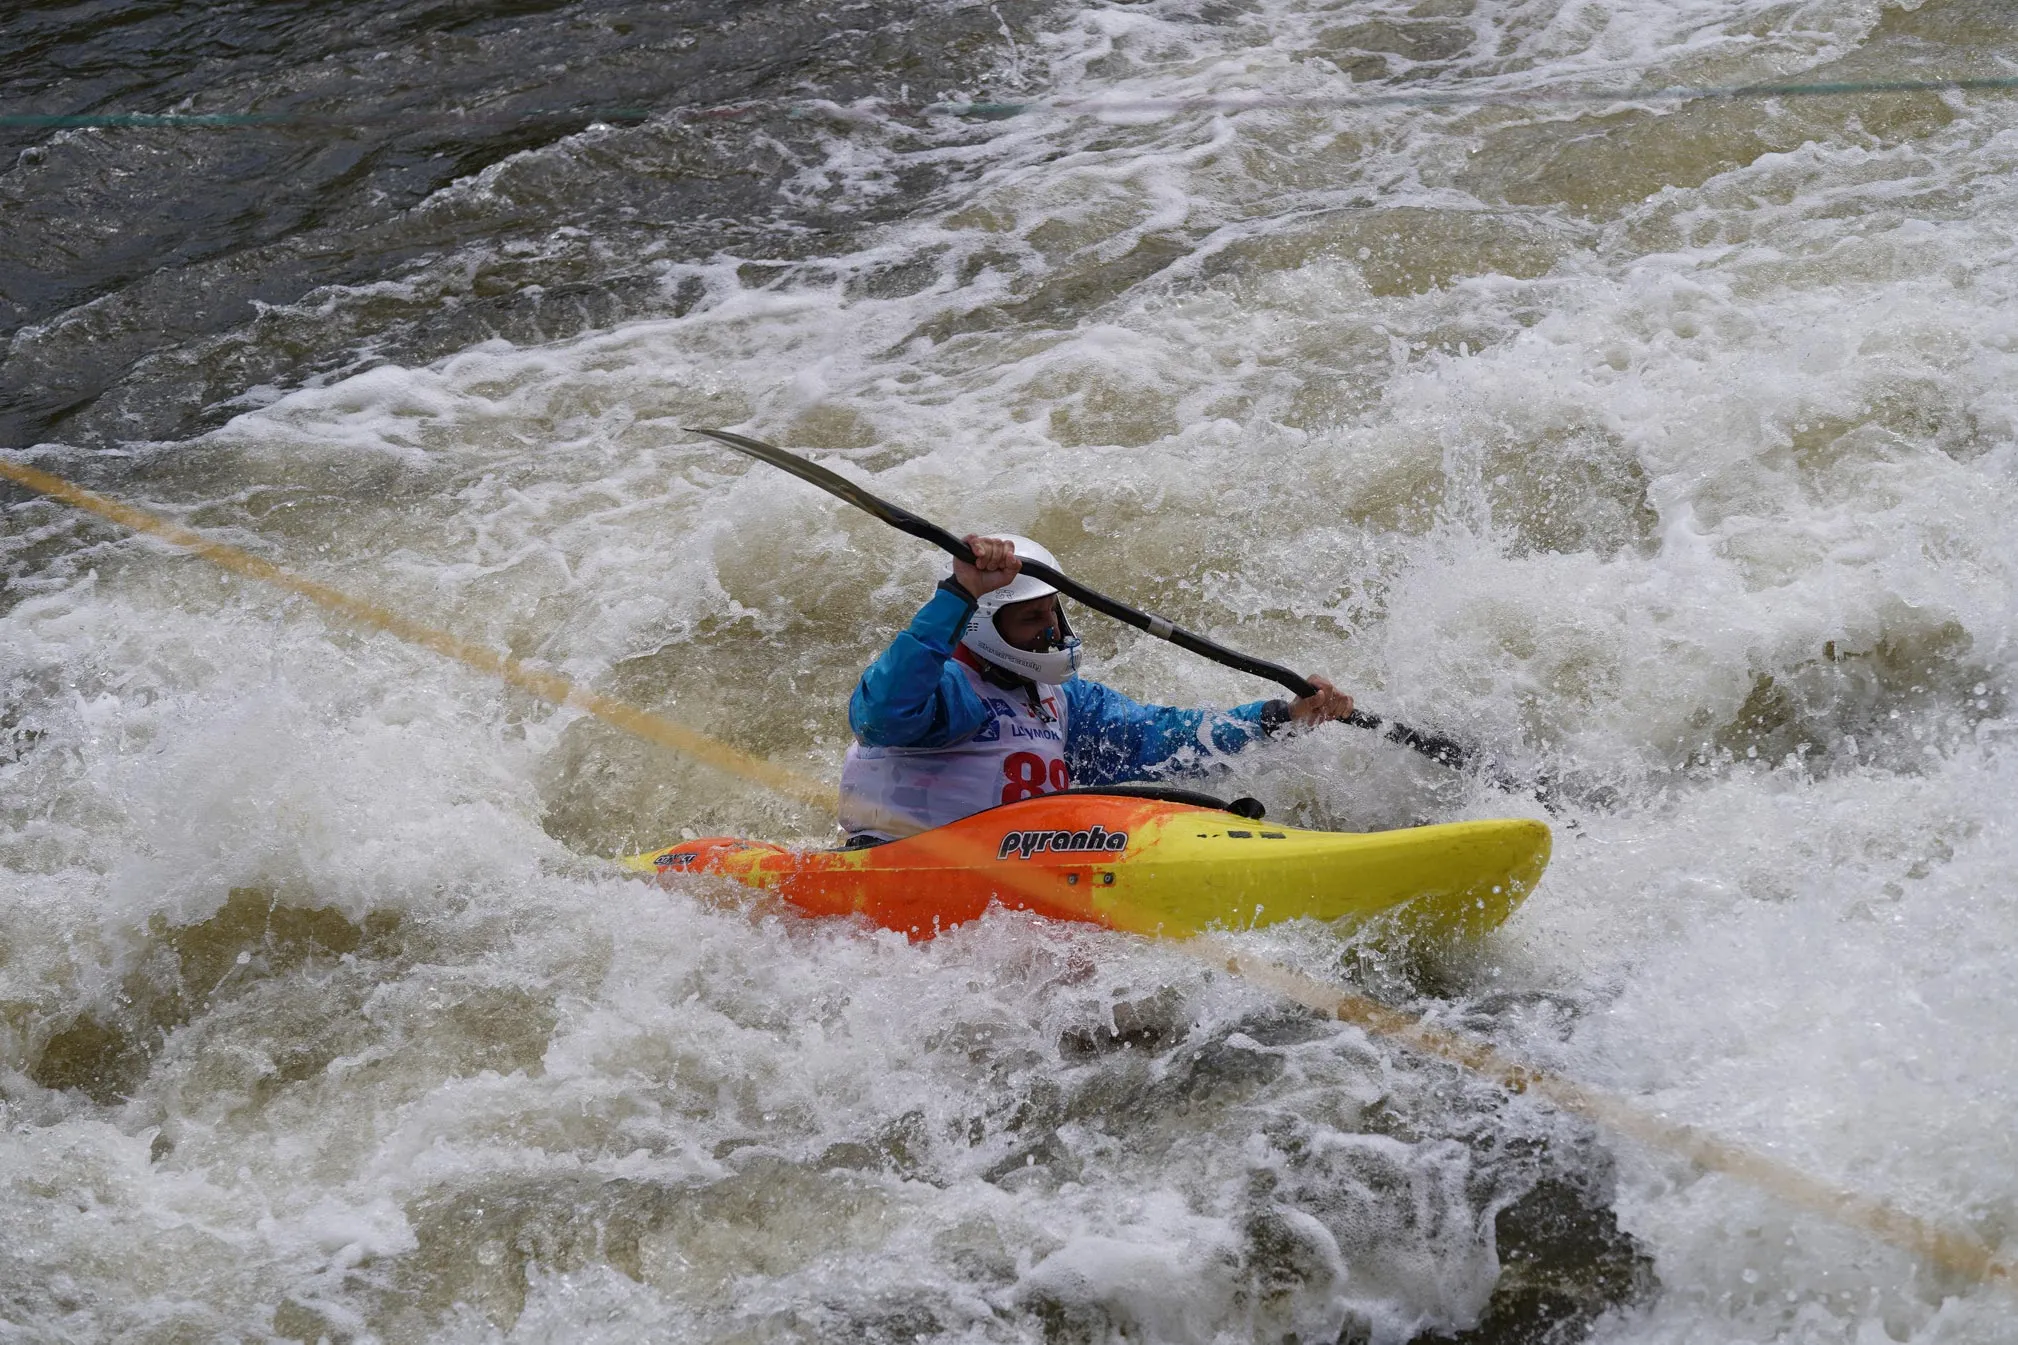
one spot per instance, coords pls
(1442, 749)
(1434, 746)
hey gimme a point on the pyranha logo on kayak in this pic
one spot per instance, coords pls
(1027, 843)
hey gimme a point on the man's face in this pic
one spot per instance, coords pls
(1023, 624)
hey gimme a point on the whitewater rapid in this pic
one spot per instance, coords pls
(1667, 448)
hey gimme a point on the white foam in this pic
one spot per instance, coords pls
(1577, 488)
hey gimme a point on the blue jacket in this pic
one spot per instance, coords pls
(912, 696)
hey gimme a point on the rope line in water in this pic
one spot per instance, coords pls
(1001, 110)
(1958, 1253)
(224, 121)
(1457, 98)
(550, 687)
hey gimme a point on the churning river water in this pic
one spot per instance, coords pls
(1666, 445)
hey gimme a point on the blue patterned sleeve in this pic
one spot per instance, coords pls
(1111, 739)
(912, 695)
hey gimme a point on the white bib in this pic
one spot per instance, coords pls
(1016, 754)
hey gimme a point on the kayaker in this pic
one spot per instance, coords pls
(978, 703)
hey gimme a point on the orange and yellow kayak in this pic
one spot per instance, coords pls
(1145, 866)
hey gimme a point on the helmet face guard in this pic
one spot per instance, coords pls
(1053, 665)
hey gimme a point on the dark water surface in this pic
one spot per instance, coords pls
(139, 267)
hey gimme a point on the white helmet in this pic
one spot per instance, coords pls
(1046, 665)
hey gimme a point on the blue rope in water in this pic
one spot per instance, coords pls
(205, 121)
(997, 111)
(1433, 98)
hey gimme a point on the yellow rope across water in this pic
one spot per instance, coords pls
(1957, 1253)
(550, 687)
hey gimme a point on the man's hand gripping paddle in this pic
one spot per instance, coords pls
(1434, 746)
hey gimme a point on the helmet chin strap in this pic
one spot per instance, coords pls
(1010, 680)
(1002, 677)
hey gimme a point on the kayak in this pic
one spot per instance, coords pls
(1143, 865)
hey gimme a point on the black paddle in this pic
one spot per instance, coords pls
(1445, 750)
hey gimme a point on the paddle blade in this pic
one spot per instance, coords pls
(837, 485)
